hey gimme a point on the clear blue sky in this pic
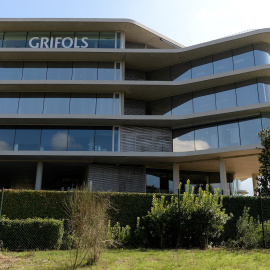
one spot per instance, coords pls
(186, 21)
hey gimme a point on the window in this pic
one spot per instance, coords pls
(183, 140)
(204, 101)
(27, 139)
(14, 40)
(38, 40)
(54, 140)
(11, 70)
(261, 53)
(107, 40)
(181, 72)
(222, 62)
(103, 139)
(182, 104)
(247, 93)
(81, 139)
(62, 40)
(206, 138)
(249, 131)
(264, 90)
(59, 71)
(202, 67)
(31, 103)
(34, 71)
(83, 103)
(243, 57)
(56, 103)
(91, 41)
(85, 71)
(9, 103)
(7, 136)
(105, 71)
(228, 135)
(225, 97)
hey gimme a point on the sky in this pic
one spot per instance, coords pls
(187, 22)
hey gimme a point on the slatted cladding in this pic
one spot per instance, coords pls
(134, 107)
(117, 178)
(146, 139)
(134, 75)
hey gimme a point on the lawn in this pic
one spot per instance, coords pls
(143, 259)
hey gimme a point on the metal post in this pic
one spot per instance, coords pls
(2, 199)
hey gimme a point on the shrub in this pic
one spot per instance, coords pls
(29, 234)
(119, 235)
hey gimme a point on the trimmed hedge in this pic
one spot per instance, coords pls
(29, 234)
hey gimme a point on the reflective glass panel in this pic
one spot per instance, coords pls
(87, 39)
(118, 41)
(59, 71)
(34, 70)
(117, 104)
(107, 40)
(1, 39)
(7, 136)
(14, 40)
(183, 140)
(81, 139)
(31, 103)
(11, 70)
(84, 71)
(247, 93)
(54, 140)
(118, 75)
(206, 138)
(264, 91)
(9, 103)
(243, 57)
(249, 130)
(225, 97)
(261, 53)
(266, 121)
(104, 104)
(181, 72)
(103, 139)
(56, 103)
(38, 40)
(222, 62)
(228, 135)
(27, 139)
(204, 101)
(62, 40)
(202, 67)
(106, 71)
(152, 183)
(116, 139)
(182, 104)
(83, 103)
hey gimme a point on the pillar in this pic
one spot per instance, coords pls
(255, 183)
(39, 175)
(176, 177)
(223, 177)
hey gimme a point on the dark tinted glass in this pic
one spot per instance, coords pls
(222, 62)
(106, 71)
(117, 104)
(247, 93)
(54, 140)
(206, 138)
(11, 70)
(243, 57)
(27, 139)
(225, 97)
(249, 130)
(118, 41)
(38, 40)
(81, 140)
(62, 40)
(181, 72)
(264, 91)
(182, 104)
(56, 103)
(107, 40)
(7, 136)
(161, 106)
(261, 53)
(202, 67)
(1, 39)
(83, 103)
(116, 139)
(59, 71)
(84, 71)
(228, 135)
(204, 101)
(31, 103)
(9, 103)
(87, 39)
(162, 74)
(14, 40)
(183, 140)
(104, 104)
(34, 70)
(103, 139)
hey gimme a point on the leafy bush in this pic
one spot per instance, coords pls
(29, 234)
(119, 235)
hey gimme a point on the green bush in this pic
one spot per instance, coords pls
(29, 234)
(119, 235)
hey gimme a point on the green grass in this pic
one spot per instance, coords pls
(143, 259)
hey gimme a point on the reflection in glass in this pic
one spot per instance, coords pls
(81, 139)
(9, 103)
(264, 92)
(84, 71)
(225, 97)
(11, 70)
(27, 139)
(183, 140)
(246, 94)
(59, 71)
(41, 40)
(83, 103)
(7, 136)
(103, 139)
(91, 40)
(54, 140)
(202, 67)
(105, 71)
(56, 103)
(243, 57)
(107, 40)
(228, 135)
(31, 103)
(34, 71)
(249, 131)
(182, 104)
(261, 53)
(14, 40)
(152, 181)
(104, 104)
(181, 72)
(222, 62)
(206, 138)
(204, 101)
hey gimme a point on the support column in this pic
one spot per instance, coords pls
(255, 183)
(39, 175)
(223, 177)
(176, 177)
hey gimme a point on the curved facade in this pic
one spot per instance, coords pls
(125, 108)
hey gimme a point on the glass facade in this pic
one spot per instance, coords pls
(60, 71)
(242, 132)
(59, 139)
(60, 103)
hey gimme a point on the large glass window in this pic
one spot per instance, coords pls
(183, 140)
(243, 57)
(62, 39)
(31, 103)
(1, 39)
(202, 67)
(56, 103)
(87, 39)
(27, 139)
(81, 139)
(181, 72)
(261, 53)
(182, 104)
(107, 40)
(54, 140)
(59, 71)
(11, 70)
(225, 97)
(7, 136)
(116, 139)
(206, 138)
(9, 103)
(14, 40)
(103, 139)
(104, 104)
(34, 71)
(106, 71)
(264, 90)
(83, 103)
(85, 71)
(228, 135)
(247, 93)
(117, 104)
(204, 101)
(222, 62)
(249, 131)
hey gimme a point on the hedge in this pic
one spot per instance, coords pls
(29, 234)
